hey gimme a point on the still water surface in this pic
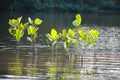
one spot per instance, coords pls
(50, 67)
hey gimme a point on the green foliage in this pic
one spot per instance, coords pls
(72, 37)
(17, 28)
(94, 33)
(53, 37)
(77, 21)
(87, 37)
(33, 28)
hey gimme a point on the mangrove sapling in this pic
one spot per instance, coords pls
(69, 43)
(54, 38)
(87, 37)
(17, 31)
(94, 34)
(77, 23)
(32, 32)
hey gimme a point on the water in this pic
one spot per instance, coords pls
(51, 67)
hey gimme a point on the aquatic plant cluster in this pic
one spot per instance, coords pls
(77, 35)
(71, 38)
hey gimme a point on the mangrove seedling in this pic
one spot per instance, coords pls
(33, 32)
(53, 39)
(87, 37)
(77, 21)
(33, 28)
(17, 30)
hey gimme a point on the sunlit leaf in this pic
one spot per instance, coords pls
(25, 25)
(77, 21)
(94, 33)
(64, 34)
(49, 37)
(37, 21)
(32, 30)
(11, 30)
(19, 19)
(17, 28)
(19, 35)
(71, 33)
(53, 32)
(82, 34)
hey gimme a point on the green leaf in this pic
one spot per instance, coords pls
(25, 25)
(64, 34)
(37, 21)
(12, 31)
(49, 37)
(12, 22)
(18, 35)
(71, 33)
(19, 20)
(17, 28)
(32, 30)
(65, 46)
(77, 21)
(82, 34)
(94, 33)
(54, 34)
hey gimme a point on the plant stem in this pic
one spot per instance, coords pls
(84, 57)
(52, 54)
(94, 57)
(35, 51)
(82, 60)
(17, 51)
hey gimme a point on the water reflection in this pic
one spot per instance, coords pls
(50, 67)
(17, 66)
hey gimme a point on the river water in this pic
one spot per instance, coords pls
(52, 67)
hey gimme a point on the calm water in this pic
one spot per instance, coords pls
(58, 67)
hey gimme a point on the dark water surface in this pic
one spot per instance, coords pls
(54, 66)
